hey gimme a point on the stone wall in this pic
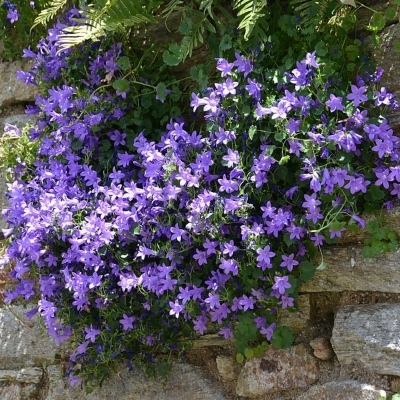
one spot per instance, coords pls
(348, 323)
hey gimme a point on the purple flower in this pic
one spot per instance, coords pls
(228, 185)
(289, 262)
(281, 284)
(224, 66)
(311, 201)
(247, 303)
(264, 257)
(200, 324)
(335, 103)
(268, 332)
(127, 322)
(92, 333)
(226, 331)
(232, 158)
(229, 266)
(176, 308)
(13, 15)
(357, 95)
(310, 60)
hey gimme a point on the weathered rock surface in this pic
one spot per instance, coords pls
(346, 390)
(25, 375)
(13, 91)
(23, 343)
(369, 335)
(184, 383)
(227, 368)
(277, 370)
(19, 120)
(322, 348)
(347, 269)
(11, 392)
(297, 320)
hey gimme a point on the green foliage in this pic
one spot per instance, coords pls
(250, 12)
(18, 35)
(283, 338)
(382, 239)
(50, 12)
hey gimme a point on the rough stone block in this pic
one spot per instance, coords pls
(296, 320)
(23, 343)
(368, 335)
(348, 270)
(277, 370)
(185, 382)
(344, 390)
(12, 91)
(25, 375)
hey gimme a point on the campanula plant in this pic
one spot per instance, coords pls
(132, 244)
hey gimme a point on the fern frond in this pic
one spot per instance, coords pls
(49, 13)
(120, 10)
(173, 5)
(311, 12)
(113, 15)
(206, 5)
(200, 24)
(249, 11)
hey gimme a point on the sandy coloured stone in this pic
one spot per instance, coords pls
(322, 348)
(277, 370)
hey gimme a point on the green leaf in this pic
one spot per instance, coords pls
(173, 56)
(239, 358)
(390, 13)
(321, 49)
(252, 131)
(225, 43)
(186, 26)
(124, 63)
(352, 52)
(122, 85)
(377, 22)
(161, 91)
(199, 75)
(396, 2)
(397, 46)
(248, 352)
(307, 270)
(282, 338)
(374, 194)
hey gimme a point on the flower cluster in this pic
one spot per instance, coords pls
(12, 13)
(134, 244)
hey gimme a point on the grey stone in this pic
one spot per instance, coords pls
(347, 269)
(185, 382)
(227, 368)
(11, 392)
(296, 320)
(11, 90)
(276, 371)
(368, 335)
(19, 120)
(23, 343)
(25, 375)
(388, 59)
(344, 390)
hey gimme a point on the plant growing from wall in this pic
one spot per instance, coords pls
(135, 232)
